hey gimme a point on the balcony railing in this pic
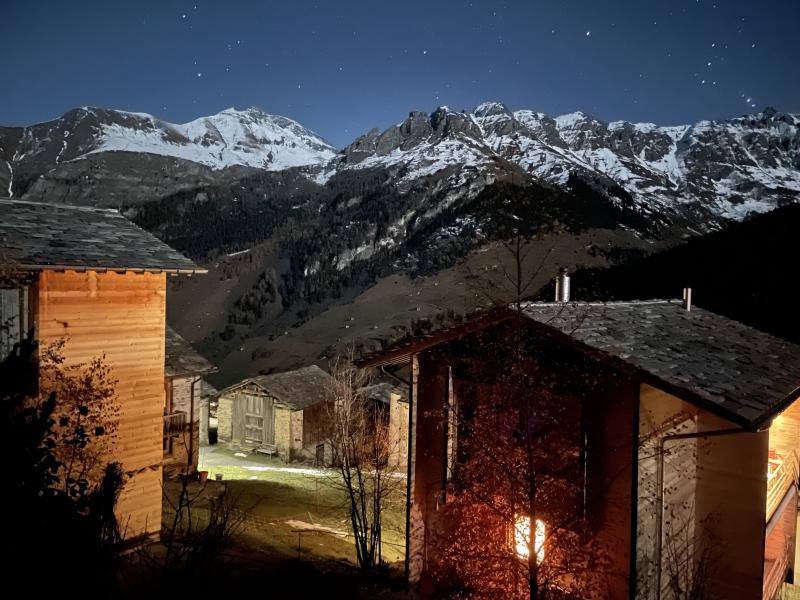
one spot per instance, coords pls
(775, 573)
(781, 475)
(174, 423)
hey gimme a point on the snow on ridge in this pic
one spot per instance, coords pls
(491, 108)
(569, 120)
(248, 138)
(641, 127)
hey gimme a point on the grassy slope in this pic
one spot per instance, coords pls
(381, 311)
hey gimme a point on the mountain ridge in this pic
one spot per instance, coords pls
(287, 246)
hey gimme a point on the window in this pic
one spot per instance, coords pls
(254, 419)
(522, 536)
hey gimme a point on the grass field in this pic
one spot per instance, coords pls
(296, 511)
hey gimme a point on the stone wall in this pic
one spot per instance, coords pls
(283, 432)
(204, 420)
(398, 432)
(180, 389)
(297, 435)
(224, 417)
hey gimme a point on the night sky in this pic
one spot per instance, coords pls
(343, 67)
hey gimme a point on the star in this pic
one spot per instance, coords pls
(424, 51)
(588, 33)
(199, 74)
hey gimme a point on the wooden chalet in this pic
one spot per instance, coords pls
(696, 416)
(92, 278)
(277, 414)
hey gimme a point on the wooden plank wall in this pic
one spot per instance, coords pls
(662, 414)
(121, 316)
(731, 495)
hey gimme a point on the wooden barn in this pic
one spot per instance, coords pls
(185, 403)
(277, 414)
(96, 281)
(682, 454)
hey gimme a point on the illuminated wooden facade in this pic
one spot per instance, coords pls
(97, 283)
(696, 437)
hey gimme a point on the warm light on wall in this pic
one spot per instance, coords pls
(522, 535)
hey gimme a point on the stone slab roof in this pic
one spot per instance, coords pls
(741, 373)
(181, 360)
(36, 236)
(297, 389)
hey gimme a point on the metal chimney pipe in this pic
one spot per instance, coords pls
(562, 285)
(687, 298)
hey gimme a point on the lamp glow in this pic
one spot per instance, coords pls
(522, 536)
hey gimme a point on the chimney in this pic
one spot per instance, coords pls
(687, 299)
(562, 285)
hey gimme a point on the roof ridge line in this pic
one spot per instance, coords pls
(604, 303)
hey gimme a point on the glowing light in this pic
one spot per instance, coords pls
(522, 536)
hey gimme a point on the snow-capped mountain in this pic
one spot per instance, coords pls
(692, 175)
(728, 168)
(250, 138)
(98, 146)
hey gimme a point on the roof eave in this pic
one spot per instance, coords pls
(403, 351)
(198, 372)
(105, 269)
(766, 419)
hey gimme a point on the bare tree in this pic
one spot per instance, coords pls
(360, 443)
(86, 411)
(520, 467)
(199, 522)
(61, 513)
(520, 472)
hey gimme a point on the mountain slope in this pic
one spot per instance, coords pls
(75, 158)
(745, 272)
